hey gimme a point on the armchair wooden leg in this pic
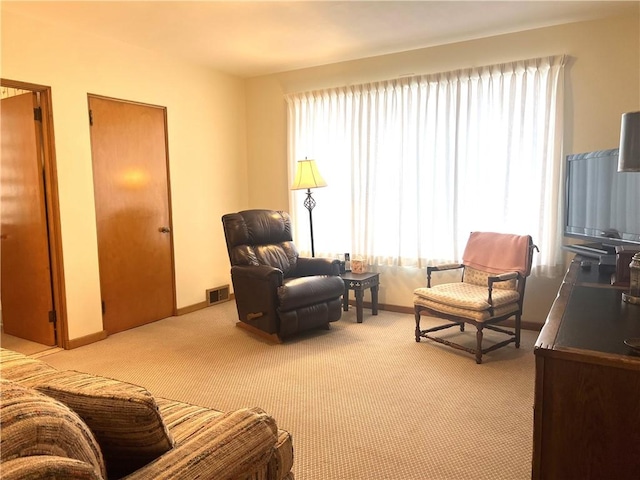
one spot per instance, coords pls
(479, 345)
(417, 315)
(517, 332)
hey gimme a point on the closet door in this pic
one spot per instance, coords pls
(27, 300)
(131, 183)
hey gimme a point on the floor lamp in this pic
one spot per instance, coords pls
(307, 176)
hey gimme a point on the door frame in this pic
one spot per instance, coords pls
(52, 204)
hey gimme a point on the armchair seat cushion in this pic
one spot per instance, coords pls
(467, 296)
(299, 292)
(477, 315)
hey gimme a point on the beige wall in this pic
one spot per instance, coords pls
(602, 82)
(206, 136)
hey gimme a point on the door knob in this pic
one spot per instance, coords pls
(164, 230)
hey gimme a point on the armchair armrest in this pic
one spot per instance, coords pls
(503, 277)
(234, 445)
(445, 266)
(441, 268)
(308, 266)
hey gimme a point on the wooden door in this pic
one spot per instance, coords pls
(27, 299)
(130, 176)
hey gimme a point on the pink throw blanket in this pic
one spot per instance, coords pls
(497, 252)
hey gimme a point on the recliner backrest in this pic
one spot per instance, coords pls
(261, 237)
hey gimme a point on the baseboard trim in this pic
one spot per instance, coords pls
(86, 340)
(199, 306)
(192, 308)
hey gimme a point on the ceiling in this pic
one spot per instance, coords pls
(249, 38)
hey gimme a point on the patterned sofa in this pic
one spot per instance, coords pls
(68, 424)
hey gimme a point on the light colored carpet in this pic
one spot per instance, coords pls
(362, 401)
(26, 347)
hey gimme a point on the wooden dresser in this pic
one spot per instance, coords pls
(587, 390)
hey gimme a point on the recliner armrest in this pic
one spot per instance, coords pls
(234, 445)
(308, 266)
(262, 272)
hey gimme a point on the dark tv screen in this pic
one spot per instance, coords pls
(602, 204)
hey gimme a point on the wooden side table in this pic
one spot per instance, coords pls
(359, 282)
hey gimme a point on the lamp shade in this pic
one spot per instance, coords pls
(629, 157)
(307, 176)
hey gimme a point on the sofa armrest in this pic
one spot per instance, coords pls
(47, 467)
(308, 266)
(234, 445)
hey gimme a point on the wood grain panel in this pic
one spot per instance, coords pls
(128, 143)
(26, 270)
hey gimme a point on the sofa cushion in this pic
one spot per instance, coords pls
(34, 424)
(124, 418)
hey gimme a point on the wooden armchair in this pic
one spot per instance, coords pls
(495, 268)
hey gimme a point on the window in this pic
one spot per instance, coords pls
(413, 165)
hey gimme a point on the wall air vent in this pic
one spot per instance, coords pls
(218, 295)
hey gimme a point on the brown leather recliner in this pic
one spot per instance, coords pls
(277, 292)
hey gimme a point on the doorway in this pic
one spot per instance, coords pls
(32, 280)
(132, 196)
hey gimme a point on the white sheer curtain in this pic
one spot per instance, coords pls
(415, 164)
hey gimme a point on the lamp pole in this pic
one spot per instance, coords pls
(309, 203)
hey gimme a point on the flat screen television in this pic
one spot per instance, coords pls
(602, 205)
